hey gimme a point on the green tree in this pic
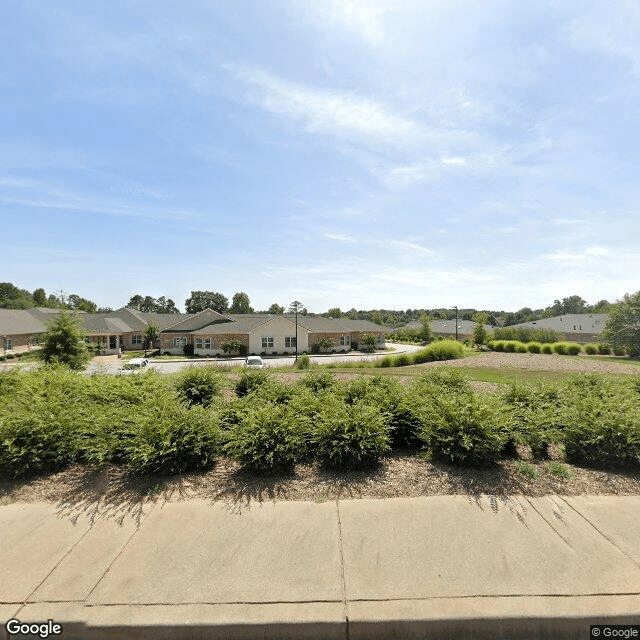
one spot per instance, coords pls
(324, 344)
(296, 307)
(376, 318)
(240, 303)
(13, 298)
(231, 346)
(81, 304)
(369, 341)
(480, 334)
(622, 329)
(426, 334)
(151, 334)
(40, 297)
(201, 300)
(352, 313)
(135, 302)
(333, 313)
(65, 342)
(276, 309)
(164, 305)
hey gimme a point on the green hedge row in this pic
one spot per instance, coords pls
(562, 348)
(50, 418)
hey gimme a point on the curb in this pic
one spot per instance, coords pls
(477, 618)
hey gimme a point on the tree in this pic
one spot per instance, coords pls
(324, 344)
(81, 304)
(231, 346)
(135, 302)
(165, 306)
(201, 300)
(65, 342)
(426, 334)
(480, 334)
(40, 297)
(295, 307)
(151, 333)
(240, 303)
(376, 318)
(276, 309)
(369, 341)
(352, 314)
(622, 328)
(333, 313)
(13, 298)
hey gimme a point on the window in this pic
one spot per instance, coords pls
(198, 343)
(34, 340)
(290, 342)
(207, 343)
(345, 341)
(8, 344)
(267, 343)
(179, 343)
(136, 338)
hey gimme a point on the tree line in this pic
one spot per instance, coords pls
(12, 297)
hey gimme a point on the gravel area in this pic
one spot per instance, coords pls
(402, 474)
(543, 362)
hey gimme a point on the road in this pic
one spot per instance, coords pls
(171, 366)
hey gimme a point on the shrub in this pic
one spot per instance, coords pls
(231, 346)
(402, 360)
(250, 379)
(10, 356)
(317, 380)
(368, 342)
(187, 350)
(267, 439)
(463, 428)
(418, 357)
(559, 470)
(534, 347)
(385, 362)
(604, 427)
(199, 385)
(617, 351)
(445, 350)
(303, 361)
(521, 347)
(510, 345)
(560, 348)
(449, 378)
(173, 439)
(547, 348)
(498, 345)
(351, 436)
(604, 349)
(527, 470)
(573, 348)
(2, 358)
(526, 334)
(591, 349)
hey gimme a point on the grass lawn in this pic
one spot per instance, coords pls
(616, 359)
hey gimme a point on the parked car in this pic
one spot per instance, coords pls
(135, 365)
(255, 362)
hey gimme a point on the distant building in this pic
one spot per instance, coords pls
(577, 327)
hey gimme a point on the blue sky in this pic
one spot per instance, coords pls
(351, 153)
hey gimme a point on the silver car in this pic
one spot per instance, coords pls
(254, 362)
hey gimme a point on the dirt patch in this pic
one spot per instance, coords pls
(403, 474)
(540, 362)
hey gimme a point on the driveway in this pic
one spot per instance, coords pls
(171, 366)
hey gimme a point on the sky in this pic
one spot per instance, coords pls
(350, 153)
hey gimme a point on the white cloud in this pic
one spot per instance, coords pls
(336, 113)
(340, 237)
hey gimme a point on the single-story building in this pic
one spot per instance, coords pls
(576, 327)
(206, 331)
(447, 328)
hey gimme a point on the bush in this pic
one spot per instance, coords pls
(547, 348)
(10, 356)
(511, 345)
(604, 427)
(418, 357)
(497, 345)
(318, 381)
(526, 334)
(604, 349)
(445, 350)
(351, 436)
(402, 360)
(591, 349)
(463, 428)
(173, 439)
(250, 379)
(560, 348)
(534, 347)
(617, 351)
(387, 361)
(527, 470)
(521, 347)
(303, 361)
(187, 350)
(559, 470)
(573, 348)
(267, 439)
(199, 385)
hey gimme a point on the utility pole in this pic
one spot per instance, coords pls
(295, 307)
(456, 308)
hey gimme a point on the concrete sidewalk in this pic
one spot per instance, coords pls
(437, 567)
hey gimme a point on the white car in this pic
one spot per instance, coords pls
(133, 366)
(254, 362)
